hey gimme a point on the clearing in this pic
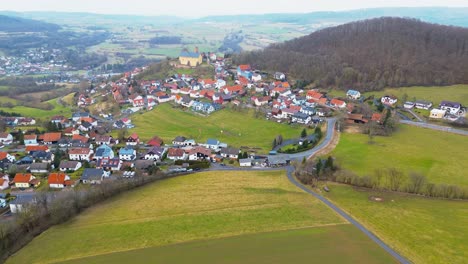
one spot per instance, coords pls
(422, 229)
(440, 156)
(204, 206)
(234, 128)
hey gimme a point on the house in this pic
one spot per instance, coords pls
(212, 144)
(25, 160)
(93, 176)
(337, 103)
(307, 110)
(104, 151)
(245, 162)
(21, 203)
(179, 141)
(409, 105)
(80, 138)
(155, 142)
(301, 118)
(353, 94)
(199, 153)
(127, 153)
(176, 154)
(278, 160)
(58, 180)
(103, 139)
(244, 70)
(31, 149)
(43, 156)
(109, 164)
(143, 164)
(78, 115)
(80, 154)
(4, 184)
(256, 77)
(376, 117)
(262, 100)
(279, 76)
(423, 104)
(314, 96)
(133, 140)
(3, 196)
(191, 59)
(453, 108)
(69, 165)
(231, 153)
(30, 140)
(356, 119)
(388, 100)
(154, 153)
(437, 113)
(23, 180)
(51, 138)
(6, 138)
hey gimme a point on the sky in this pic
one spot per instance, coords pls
(200, 8)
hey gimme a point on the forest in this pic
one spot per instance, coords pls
(370, 55)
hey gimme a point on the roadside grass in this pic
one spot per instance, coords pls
(440, 156)
(291, 246)
(195, 207)
(235, 128)
(424, 230)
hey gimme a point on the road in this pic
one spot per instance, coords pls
(436, 127)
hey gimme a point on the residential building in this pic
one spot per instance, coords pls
(93, 176)
(353, 94)
(82, 154)
(176, 154)
(437, 113)
(423, 104)
(30, 140)
(127, 153)
(58, 180)
(69, 165)
(453, 108)
(109, 164)
(39, 168)
(301, 118)
(389, 100)
(23, 180)
(245, 162)
(6, 138)
(155, 153)
(230, 153)
(104, 151)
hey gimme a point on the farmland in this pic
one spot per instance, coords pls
(407, 150)
(424, 230)
(197, 207)
(235, 128)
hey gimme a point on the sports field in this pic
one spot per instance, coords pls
(202, 207)
(422, 229)
(235, 128)
(440, 156)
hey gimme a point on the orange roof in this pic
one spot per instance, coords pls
(30, 137)
(314, 95)
(22, 178)
(52, 137)
(2, 181)
(322, 100)
(3, 155)
(134, 136)
(37, 148)
(376, 117)
(81, 138)
(235, 88)
(295, 107)
(79, 151)
(56, 178)
(335, 101)
(175, 152)
(87, 119)
(244, 67)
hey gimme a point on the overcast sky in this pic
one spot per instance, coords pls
(198, 8)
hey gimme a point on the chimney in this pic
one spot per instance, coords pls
(196, 49)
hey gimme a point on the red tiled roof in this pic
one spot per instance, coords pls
(22, 178)
(30, 137)
(175, 152)
(79, 151)
(335, 101)
(3, 155)
(52, 137)
(56, 178)
(37, 148)
(244, 67)
(155, 141)
(81, 138)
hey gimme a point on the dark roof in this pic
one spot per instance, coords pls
(450, 104)
(230, 151)
(64, 164)
(38, 166)
(189, 54)
(179, 139)
(92, 174)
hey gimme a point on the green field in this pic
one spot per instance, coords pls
(201, 207)
(424, 230)
(234, 128)
(292, 246)
(39, 113)
(440, 156)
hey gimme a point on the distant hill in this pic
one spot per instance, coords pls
(16, 24)
(371, 54)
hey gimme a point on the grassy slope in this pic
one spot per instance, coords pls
(237, 129)
(438, 155)
(39, 113)
(424, 230)
(292, 246)
(201, 206)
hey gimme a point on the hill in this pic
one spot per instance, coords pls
(371, 54)
(17, 24)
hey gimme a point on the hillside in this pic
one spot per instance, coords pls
(371, 54)
(16, 24)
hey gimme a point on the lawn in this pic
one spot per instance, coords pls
(39, 113)
(291, 246)
(194, 207)
(440, 156)
(424, 230)
(235, 128)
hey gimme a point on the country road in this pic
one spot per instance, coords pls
(436, 127)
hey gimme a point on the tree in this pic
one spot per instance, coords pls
(318, 133)
(304, 133)
(20, 137)
(404, 98)
(274, 144)
(416, 182)
(395, 179)
(58, 154)
(245, 155)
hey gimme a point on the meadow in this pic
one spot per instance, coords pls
(40, 113)
(440, 156)
(200, 207)
(422, 229)
(235, 128)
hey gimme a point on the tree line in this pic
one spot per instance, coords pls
(370, 55)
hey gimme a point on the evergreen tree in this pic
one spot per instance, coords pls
(304, 133)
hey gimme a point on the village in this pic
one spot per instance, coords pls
(80, 150)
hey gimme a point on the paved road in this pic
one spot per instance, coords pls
(293, 141)
(436, 127)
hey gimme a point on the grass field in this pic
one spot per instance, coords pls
(438, 155)
(234, 128)
(292, 246)
(39, 113)
(424, 230)
(195, 207)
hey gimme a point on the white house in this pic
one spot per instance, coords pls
(301, 118)
(6, 138)
(409, 105)
(58, 180)
(155, 153)
(256, 77)
(245, 162)
(453, 108)
(388, 100)
(176, 154)
(69, 165)
(231, 153)
(4, 182)
(423, 104)
(353, 94)
(23, 180)
(437, 113)
(80, 154)
(127, 153)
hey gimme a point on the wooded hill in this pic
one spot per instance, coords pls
(371, 54)
(17, 24)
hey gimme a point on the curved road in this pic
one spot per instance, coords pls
(307, 154)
